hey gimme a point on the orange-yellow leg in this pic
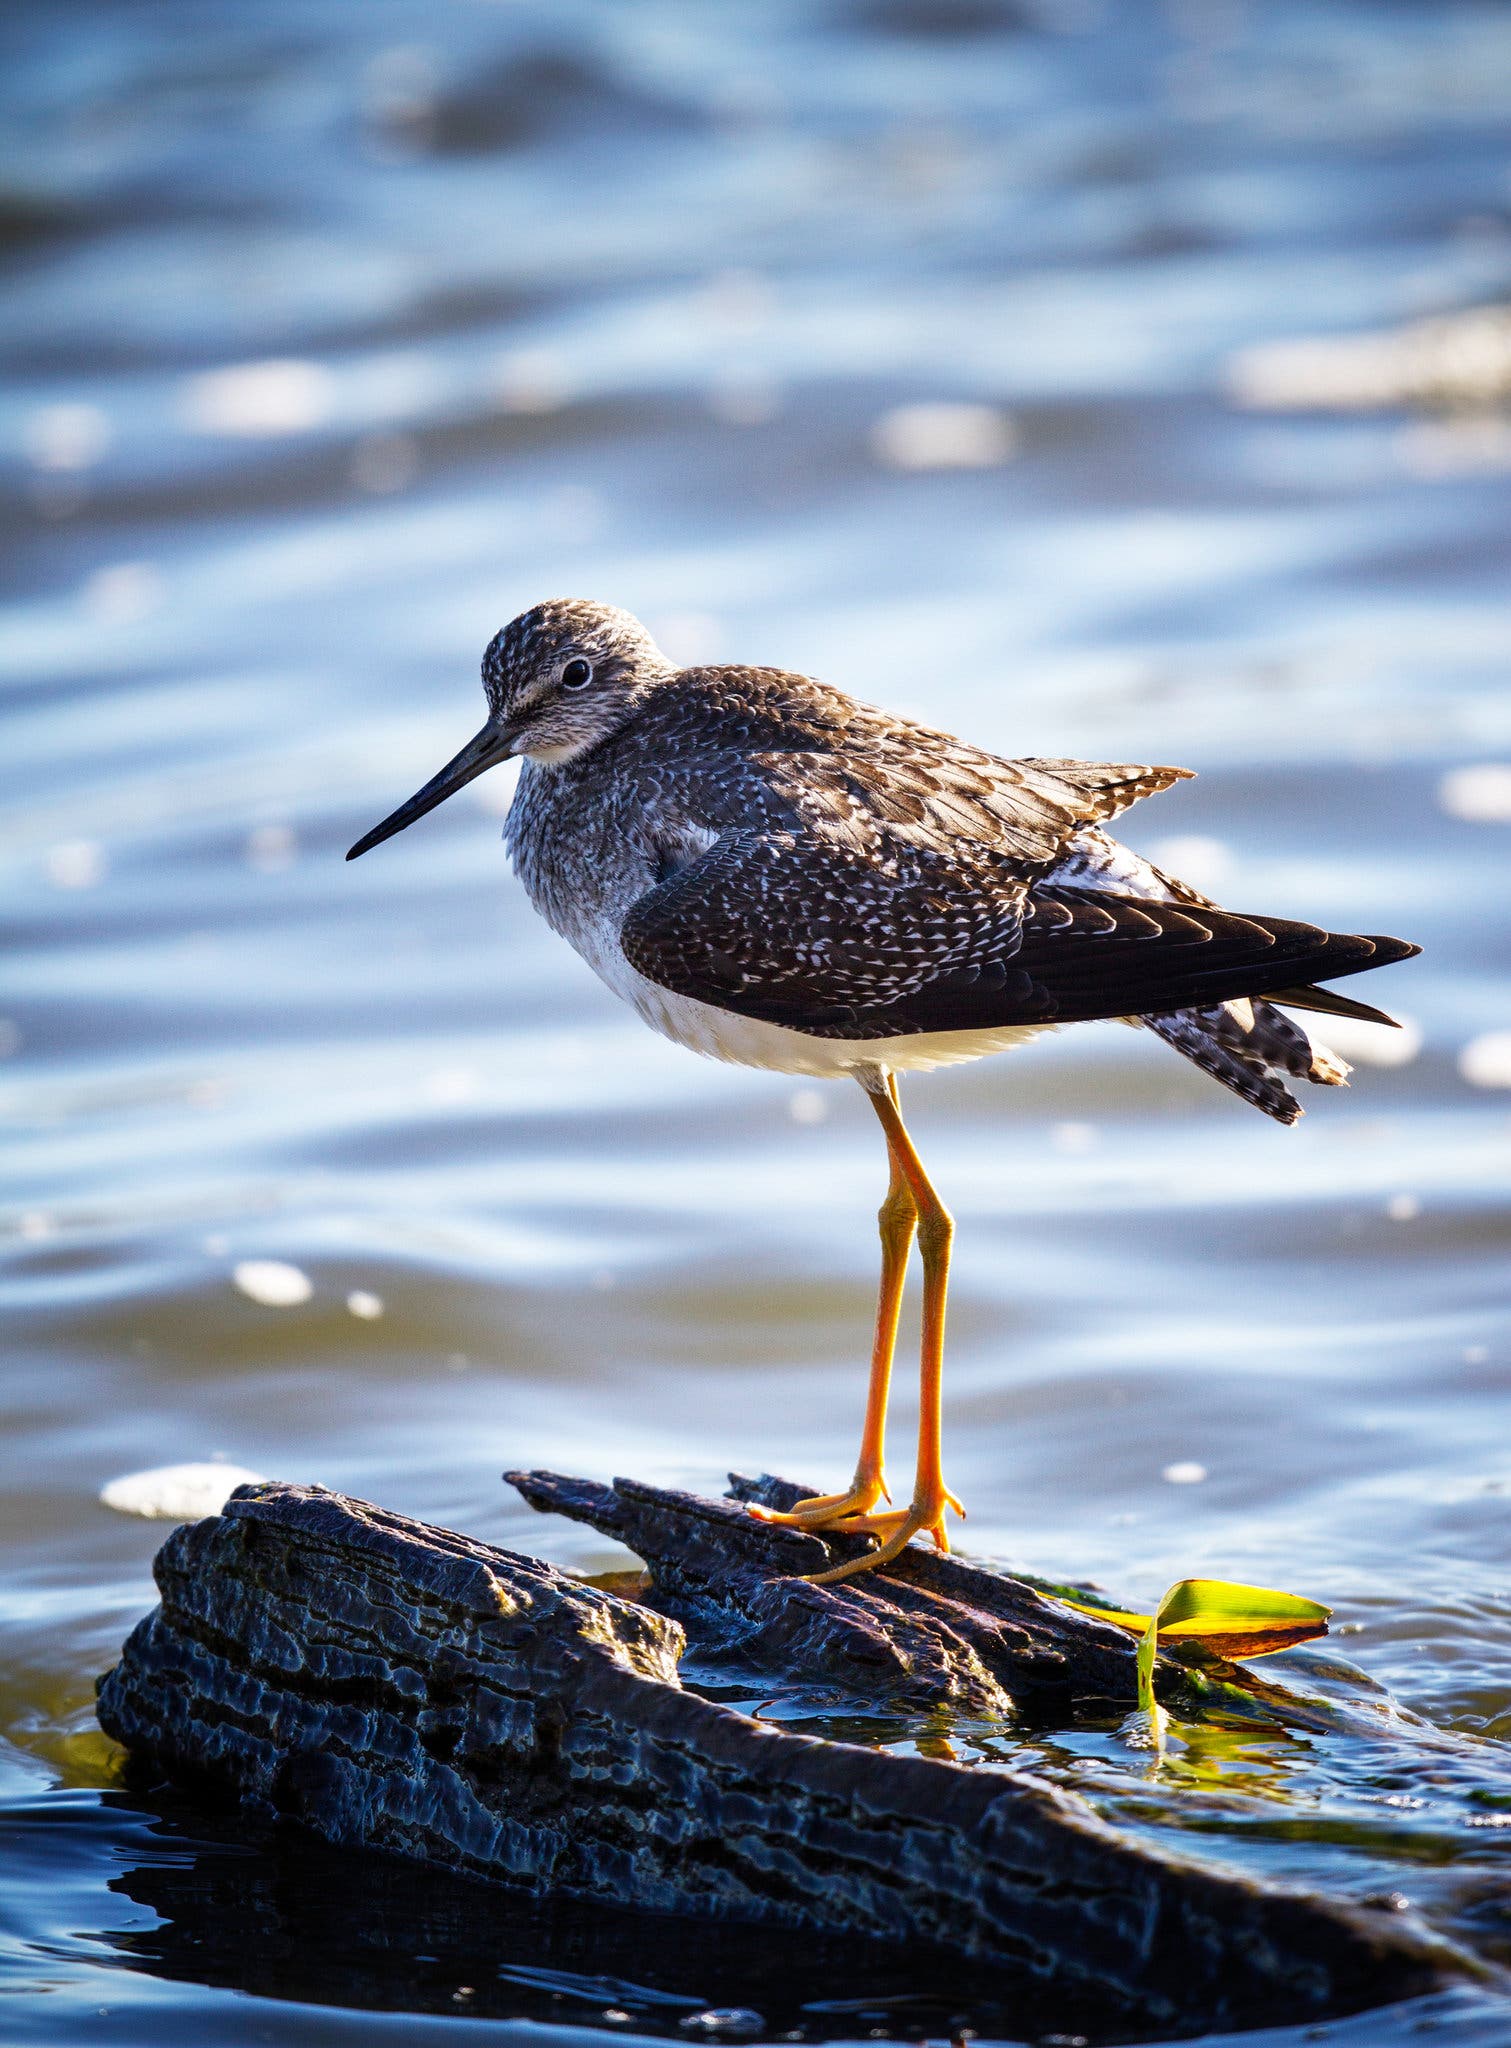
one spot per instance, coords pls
(898, 1219)
(936, 1230)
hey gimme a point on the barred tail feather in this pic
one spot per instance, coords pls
(1247, 1046)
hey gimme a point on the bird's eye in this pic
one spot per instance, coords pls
(577, 675)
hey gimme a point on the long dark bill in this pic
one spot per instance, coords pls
(482, 751)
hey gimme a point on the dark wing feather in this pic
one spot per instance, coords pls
(770, 927)
(1326, 1002)
(1109, 956)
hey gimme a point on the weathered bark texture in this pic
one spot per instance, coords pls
(401, 1687)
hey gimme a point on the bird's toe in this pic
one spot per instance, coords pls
(828, 1510)
(893, 1531)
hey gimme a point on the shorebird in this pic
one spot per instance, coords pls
(775, 874)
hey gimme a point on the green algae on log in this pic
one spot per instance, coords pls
(394, 1686)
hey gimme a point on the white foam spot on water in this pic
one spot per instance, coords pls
(1184, 1472)
(1485, 1062)
(258, 401)
(1480, 795)
(944, 436)
(177, 1493)
(76, 864)
(1403, 1208)
(364, 1306)
(272, 1283)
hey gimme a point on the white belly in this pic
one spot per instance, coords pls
(752, 1042)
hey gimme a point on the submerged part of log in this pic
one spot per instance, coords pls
(400, 1687)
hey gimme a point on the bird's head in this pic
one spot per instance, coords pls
(563, 675)
(559, 679)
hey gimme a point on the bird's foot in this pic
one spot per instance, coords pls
(924, 1517)
(825, 1510)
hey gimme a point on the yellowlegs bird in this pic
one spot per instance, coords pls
(772, 873)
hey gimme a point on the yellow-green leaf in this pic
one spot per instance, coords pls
(1246, 1621)
(1230, 1620)
(1192, 1599)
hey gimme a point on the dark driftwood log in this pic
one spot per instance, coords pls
(401, 1687)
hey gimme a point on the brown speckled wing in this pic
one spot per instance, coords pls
(866, 781)
(770, 926)
(890, 790)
